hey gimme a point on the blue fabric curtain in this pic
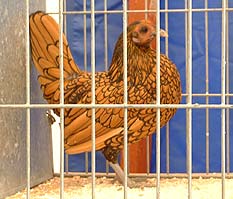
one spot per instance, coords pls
(177, 54)
(177, 42)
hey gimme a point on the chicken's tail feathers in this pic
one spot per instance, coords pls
(44, 39)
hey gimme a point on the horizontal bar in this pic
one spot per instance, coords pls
(151, 175)
(89, 106)
(145, 11)
(208, 94)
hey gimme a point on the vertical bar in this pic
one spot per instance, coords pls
(86, 162)
(158, 99)
(85, 59)
(125, 98)
(85, 34)
(147, 138)
(148, 155)
(65, 31)
(227, 91)
(207, 86)
(105, 36)
(186, 69)
(189, 96)
(223, 95)
(167, 148)
(106, 52)
(28, 116)
(61, 98)
(64, 20)
(128, 162)
(93, 95)
(167, 125)
(146, 9)
(107, 167)
(67, 163)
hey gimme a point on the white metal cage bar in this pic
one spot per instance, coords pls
(223, 99)
(167, 125)
(153, 175)
(158, 100)
(147, 138)
(28, 116)
(185, 10)
(93, 164)
(106, 52)
(125, 21)
(188, 46)
(61, 28)
(65, 31)
(227, 92)
(207, 85)
(85, 34)
(85, 60)
(178, 106)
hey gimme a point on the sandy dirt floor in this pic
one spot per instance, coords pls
(106, 188)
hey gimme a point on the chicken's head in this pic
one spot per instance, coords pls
(143, 32)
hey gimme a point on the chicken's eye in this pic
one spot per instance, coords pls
(143, 29)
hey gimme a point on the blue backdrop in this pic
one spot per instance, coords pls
(177, 54)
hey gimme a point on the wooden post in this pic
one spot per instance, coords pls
(137, 152)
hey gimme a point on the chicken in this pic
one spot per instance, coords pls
(141, 62)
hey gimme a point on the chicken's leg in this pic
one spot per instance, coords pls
(120, 174)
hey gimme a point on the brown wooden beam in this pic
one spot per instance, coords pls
(137, 152)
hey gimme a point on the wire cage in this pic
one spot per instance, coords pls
(196, 143)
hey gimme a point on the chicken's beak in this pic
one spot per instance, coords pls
(163, 33)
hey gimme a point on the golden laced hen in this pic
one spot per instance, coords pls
(44, 38)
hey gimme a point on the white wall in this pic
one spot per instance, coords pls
(53, 6)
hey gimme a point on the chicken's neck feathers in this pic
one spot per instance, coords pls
(140, 60)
